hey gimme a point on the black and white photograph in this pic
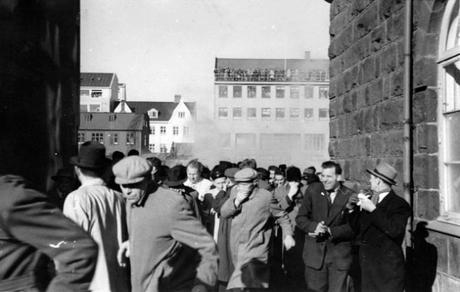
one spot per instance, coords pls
(230, 145)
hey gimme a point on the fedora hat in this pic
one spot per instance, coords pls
(177, 175)
(385, 172)
(91, 155)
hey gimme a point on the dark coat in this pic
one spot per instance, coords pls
(314, 209)
(32, 232)
(380, 235)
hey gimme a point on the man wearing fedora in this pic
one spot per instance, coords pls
(163, 230)
(101, 212)
(380, 222)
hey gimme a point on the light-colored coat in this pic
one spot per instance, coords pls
(169, 247)
(101, 212)
(251, 229)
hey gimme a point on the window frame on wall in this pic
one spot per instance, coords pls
(251, 91)
(448, 56)
(237, 113)
(237, 91)
(221, 110)
(251, 110)
(223, 91)
(266, 93)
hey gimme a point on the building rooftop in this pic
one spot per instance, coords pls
(165, 108)
(97, 79)
(286, 70)
(112, 121)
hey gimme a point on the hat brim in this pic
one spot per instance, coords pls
(382, 177)
(75, 160)
(122, 181)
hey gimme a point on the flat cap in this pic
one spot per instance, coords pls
(246, 175)
(131, 169)
(230, 172)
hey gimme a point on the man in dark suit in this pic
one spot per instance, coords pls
(380, 222)
(327, 249)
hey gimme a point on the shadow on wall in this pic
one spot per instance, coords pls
(421, 262)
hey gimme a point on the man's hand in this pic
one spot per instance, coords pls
(123, 253)
(240, 198)
(321, 228)
(289, 242)
(352, 201)
(366, 203)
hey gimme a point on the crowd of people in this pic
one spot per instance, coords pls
(231, 74)
(139, 225)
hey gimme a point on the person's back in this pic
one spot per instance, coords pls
(101, 211)
(31, 232)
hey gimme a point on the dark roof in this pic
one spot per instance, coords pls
(165, 108)
(245, 64)
(96, 79)
(112, 121)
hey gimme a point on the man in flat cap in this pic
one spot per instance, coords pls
(252, 211)
(162, 231)
(101, 212)
(380, 222)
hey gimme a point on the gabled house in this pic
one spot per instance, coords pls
(117, 131)
(98, 92)
(170, 122)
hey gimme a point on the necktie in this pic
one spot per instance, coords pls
(329, 199)
(375, 199)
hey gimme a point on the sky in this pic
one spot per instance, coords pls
(164, 47)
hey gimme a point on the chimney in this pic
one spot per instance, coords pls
(177, 98)
(122, 91)
(307, 55)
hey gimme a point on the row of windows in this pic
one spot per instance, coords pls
(311, 142)
(114, 139)
(95, 93)
(175, 130)
(90, 108)
(266, 113)
(280, 91)
(231, 74)
(153, 114)
(163, 148)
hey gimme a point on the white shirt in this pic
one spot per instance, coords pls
(382, 196)
(202, 187)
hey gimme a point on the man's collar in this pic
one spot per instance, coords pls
(93, 181)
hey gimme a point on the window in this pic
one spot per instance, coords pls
(245, 140)
(324, 93)
(237, 91)
(94, 107)
(251, 91)
(223, 113)
(266, 113)
(252, 113)
(308, 91)
(308, 113)
(237, 113)
(294, 91)
(84, 92)
(266, 91)
(96, 93)
(163, 148)
(175, 131)
(130, 138)
(280, 91)
(294, 113)
(315, 142)
(114, 139)
(83, 108)
(153, 114)
(280, 113)
(449, 112)
(81, 137)
(186, 131)
(323, 113)
(162, 130)
(152, 130)
(223, 91)
(97, 137)
(152, 147)
(181, 115)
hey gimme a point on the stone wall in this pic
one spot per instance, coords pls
(366, 104)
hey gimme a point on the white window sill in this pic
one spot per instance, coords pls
(446, 225)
